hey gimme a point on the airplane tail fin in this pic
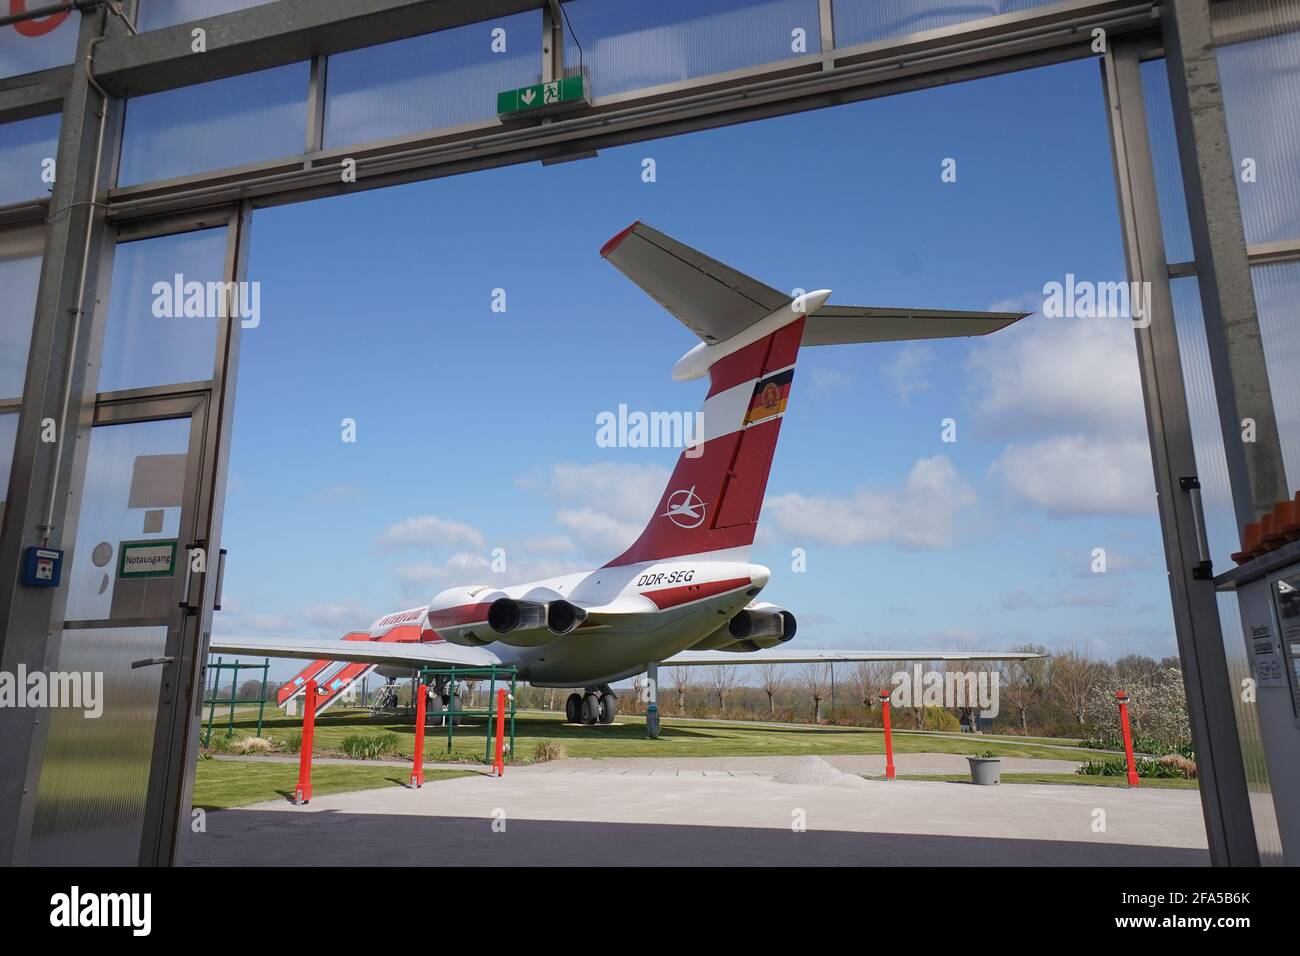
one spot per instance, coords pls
(750, 337)
(713, 499)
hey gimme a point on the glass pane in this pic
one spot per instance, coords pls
(165, 13)
(8, 441)
(1221, 530)
(24, 148)
(639, 43)
(1261, 99)
(431, 81)
(243, 119)
(90, 801)
(134, 486)
(20, 274)
(1164, 159)
(862, 21)
(38, 44)
(148, 340)
(1277, 290)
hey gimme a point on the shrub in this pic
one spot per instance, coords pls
(1118, 767)
(370, 747)
(250, 745)
(548, 750)
(293, 742)
(1180, 763)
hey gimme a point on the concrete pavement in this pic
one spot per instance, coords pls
(712, 816)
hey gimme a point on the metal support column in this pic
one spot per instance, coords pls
(1241, 385)
(652, 701)
(46, 473)
(1224, 797)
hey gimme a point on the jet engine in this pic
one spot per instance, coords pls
(758, 626)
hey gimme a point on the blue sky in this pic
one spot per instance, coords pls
(376, 307)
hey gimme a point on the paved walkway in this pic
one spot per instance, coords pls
(869, 765)
(717, 812)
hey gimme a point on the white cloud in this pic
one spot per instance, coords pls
(1100, 594)
(596, 531)
(429, 531)
(827, 381)
(604, 505)
(624, 491)
(926, 512)
(909, 371)
(1078, 376)
(420, 580)
(1073, 475)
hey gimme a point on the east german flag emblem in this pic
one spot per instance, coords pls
(770, 396)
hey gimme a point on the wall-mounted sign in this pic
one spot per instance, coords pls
(146, 559)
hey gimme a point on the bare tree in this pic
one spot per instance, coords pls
(1136, 669)
(868, 679)
(681, 683)
(816, 680)
(1075, 674)
(723, 677)
(1025, 683)
(772, 679)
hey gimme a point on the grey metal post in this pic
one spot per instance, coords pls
(1241, 385)
(31, 618)
(652, 701)
(1224, 798)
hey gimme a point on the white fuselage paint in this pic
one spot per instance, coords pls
(634, 631)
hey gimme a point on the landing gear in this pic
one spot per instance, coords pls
(596, 705)
(608, 708)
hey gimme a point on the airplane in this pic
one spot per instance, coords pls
(684, 592)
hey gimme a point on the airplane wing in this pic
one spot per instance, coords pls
(778, 655)
(716, 301)
(404, 654)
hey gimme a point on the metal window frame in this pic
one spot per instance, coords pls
(1225, 801)
(296, 30)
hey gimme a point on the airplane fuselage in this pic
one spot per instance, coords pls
(640, 614)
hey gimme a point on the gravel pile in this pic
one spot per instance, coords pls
(816, 772)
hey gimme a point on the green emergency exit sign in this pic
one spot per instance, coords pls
(558, 94)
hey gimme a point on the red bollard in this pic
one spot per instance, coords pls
(302, 793)
(1123, 700)
(889, 737)
(417, 766)
(501, 732)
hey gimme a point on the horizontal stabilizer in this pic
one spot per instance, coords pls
(847, 324)
(717, 302)
(711, 299)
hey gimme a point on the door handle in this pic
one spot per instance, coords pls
(150, 661)
(221, 577)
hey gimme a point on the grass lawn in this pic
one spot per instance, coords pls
(1071, 779)
(679, 738)
(219, 784)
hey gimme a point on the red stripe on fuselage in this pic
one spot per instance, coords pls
(672, 597)
(460, 615)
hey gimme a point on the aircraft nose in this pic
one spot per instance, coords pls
(759, 575)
